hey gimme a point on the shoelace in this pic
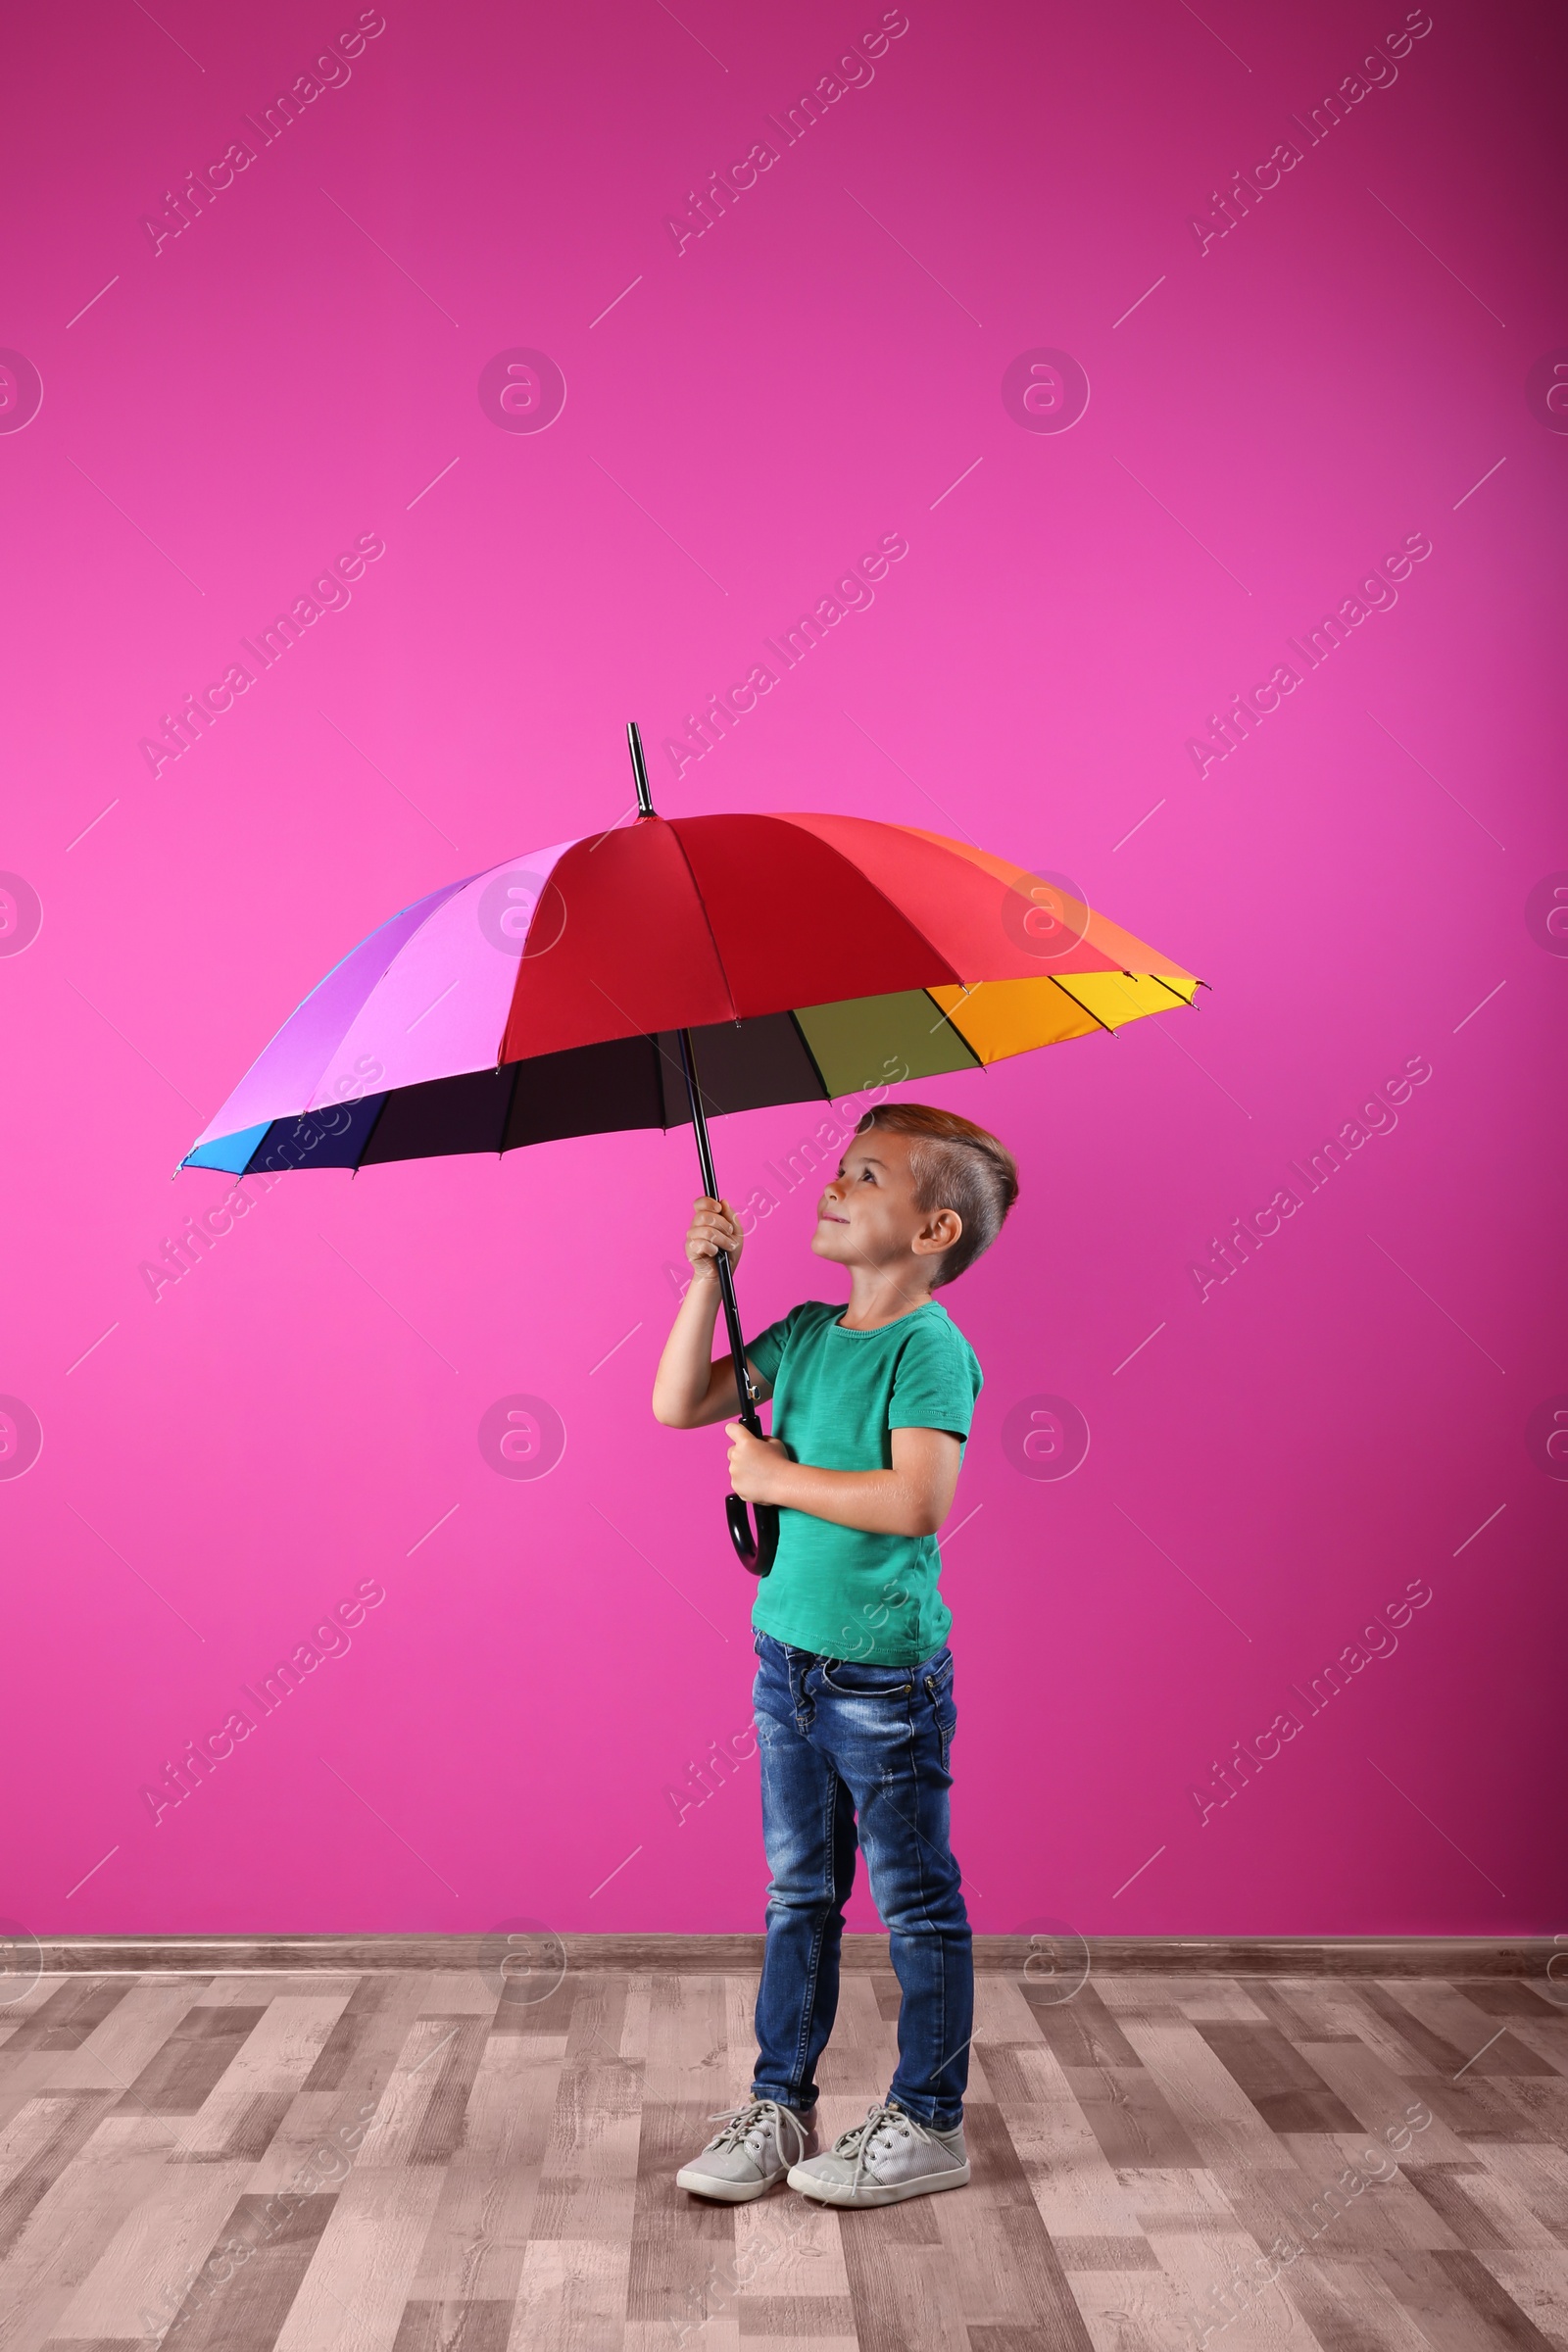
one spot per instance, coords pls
(740, 2123)
(882, 2122)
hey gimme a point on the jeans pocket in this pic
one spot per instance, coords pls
(947, 1725)
(936, 1675)
(853, 1678)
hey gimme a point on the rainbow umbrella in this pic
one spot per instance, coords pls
(674, 968)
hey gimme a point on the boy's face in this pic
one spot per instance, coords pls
(866, 1215)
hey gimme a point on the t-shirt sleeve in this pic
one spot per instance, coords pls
(766, 1350)
(936, 1383)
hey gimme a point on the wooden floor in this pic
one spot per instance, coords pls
(180, 2158)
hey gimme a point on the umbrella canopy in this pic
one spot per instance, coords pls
(808, 955)
(750, 959)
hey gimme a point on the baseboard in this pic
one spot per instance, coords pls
(1037, 1960)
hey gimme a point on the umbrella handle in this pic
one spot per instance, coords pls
(756, 1554)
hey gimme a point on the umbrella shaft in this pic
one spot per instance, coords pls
(726, 1272)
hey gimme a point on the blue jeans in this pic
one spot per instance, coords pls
(839, 1739)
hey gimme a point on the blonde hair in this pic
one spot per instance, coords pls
(955, 1165)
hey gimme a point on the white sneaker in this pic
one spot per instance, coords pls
(747, 2156)
(885, 2159)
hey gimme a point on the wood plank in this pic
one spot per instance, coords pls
(1221, 2001)
(1486, 2044)
(482, 2327)
(1537, 2176)
(859, 2060)
(352, 2296)
(1019, 2073)
(395, 2129)
(368, 2004)
(1077, 2192)
(1126, 2310)
(63, 2124)
(1287, 2091)
(1082, 2032)
(1130, 2115)
(573, 2297)
(1480, 2209)
(126, 2037)
(194, 2056)
(1202, 2095)
(1539, 2284)
(1328, 2204)
(1219, 2274)
(1002, 2014)
(803, 2318)
(787, 2246)
(67, 2013)
(242, 2309)
(474, 2246)
(267, 2071)
(1434, 2052)
(1349, 2307)
(455, 2062)
(1458, 2304)
(1547, 2036)
(159, 2248)
(71, 2224)
(1380, 2100)
(588, 2175)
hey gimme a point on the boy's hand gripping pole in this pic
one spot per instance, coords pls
(754, 1554)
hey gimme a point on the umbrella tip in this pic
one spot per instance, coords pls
(639, 769)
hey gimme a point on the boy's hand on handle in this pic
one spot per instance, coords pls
(754, 1463)
(714, 1227)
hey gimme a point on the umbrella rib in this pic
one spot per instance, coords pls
(905, 916)
(506, 1117)
(371, 1130)
(652, 1036)
(1078, 1000)
(969, 991)
(805, 1048)
(1165, 984)
(697, 890)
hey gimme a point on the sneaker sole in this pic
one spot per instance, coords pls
(889, 2193)
(724, 2192)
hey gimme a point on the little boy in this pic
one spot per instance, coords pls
(854, 1691)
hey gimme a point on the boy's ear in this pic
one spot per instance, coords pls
(942, 1229)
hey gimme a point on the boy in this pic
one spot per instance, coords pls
(854, 1689)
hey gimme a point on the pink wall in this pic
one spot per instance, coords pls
(1366, 881)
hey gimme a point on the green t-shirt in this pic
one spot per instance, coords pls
(837, 1397)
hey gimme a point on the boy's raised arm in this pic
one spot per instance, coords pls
(692, 1385)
